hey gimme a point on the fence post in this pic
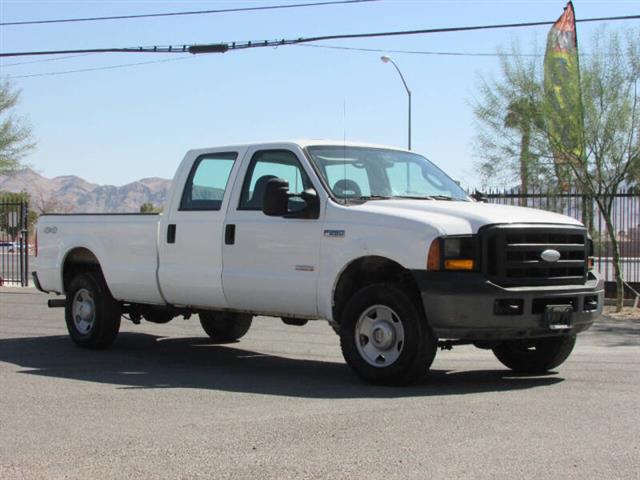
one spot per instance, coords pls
(25, 231)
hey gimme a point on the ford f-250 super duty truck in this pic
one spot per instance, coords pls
(376, 240)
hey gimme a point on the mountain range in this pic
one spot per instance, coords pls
(72, 194)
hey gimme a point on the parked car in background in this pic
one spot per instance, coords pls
(9, 247)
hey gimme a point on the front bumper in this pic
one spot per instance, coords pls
(466, 306)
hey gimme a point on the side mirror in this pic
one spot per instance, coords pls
(312, 210)
(479, 196)
(275, 202)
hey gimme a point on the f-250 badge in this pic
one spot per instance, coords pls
(334, 233)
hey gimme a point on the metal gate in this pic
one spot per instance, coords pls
(625, 216)
(14, 244)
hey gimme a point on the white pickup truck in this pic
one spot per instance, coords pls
(376, 240)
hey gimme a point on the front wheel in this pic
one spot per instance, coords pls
(536, 355)
(384, 337)
(225, 326)
(91, 313)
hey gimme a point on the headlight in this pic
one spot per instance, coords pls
(590, 259)
(453, 253)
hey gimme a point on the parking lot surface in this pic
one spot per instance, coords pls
(164, 402)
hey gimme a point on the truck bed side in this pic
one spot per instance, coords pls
(125, 246)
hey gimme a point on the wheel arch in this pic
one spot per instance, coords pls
(367, 270)
(78, 260)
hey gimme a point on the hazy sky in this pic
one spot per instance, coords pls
(119, 125)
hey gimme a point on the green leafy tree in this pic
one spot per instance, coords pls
(149, 207)
(15, 136)
(523, 115)
(611, 111)
(510, 142)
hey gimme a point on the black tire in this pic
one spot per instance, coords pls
(225, 326)
(414, 356)
(95, 326)
(535, 355)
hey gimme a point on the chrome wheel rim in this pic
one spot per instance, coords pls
(83, 311)
(379, 336)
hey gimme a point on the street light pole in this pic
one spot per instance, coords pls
(386, 59)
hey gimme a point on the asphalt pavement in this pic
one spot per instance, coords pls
(164, 402)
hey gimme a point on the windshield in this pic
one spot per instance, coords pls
(360, 173)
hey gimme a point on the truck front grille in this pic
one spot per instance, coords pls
(511, 254)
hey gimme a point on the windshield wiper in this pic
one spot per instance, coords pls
(374, 197)
(414, 197)
(426, 197)
(409, 197)
(442, 197)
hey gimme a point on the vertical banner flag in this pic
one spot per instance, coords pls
(562, 103)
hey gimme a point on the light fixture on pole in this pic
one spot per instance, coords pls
(387, 59)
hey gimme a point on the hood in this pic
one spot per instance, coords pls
(456, 218)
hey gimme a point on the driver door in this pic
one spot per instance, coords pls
(271, 263)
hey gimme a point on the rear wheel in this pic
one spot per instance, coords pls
(225, 326)
(535, 355)
(384, 336)
(91, 313)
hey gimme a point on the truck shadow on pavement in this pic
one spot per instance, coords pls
(139, 360)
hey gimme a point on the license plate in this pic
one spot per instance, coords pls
(558, 317)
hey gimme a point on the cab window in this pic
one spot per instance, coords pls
(266, 165)
(207, 181)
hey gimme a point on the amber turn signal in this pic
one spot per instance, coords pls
(433, 259)
(458, 264)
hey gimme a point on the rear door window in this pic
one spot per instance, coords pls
(207, 182)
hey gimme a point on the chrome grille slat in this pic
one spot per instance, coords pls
(537, 264)
(560, 247)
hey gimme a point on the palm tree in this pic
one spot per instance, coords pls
(523, 115)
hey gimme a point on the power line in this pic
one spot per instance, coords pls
(420, 52)
(174, 14)
(43, 60)
(109, 67)
(223, 47)
(377, 50)
(452, 29)
(47, 74)
(154, 49)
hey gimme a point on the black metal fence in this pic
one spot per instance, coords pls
(14, 244)
(626, 219)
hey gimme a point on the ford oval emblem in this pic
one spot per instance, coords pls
(550, 255)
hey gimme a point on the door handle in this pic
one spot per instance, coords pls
(171, 233)
(230, 234)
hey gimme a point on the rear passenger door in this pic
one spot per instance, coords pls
(191, 234)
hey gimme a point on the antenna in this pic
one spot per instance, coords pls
(344, 147)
